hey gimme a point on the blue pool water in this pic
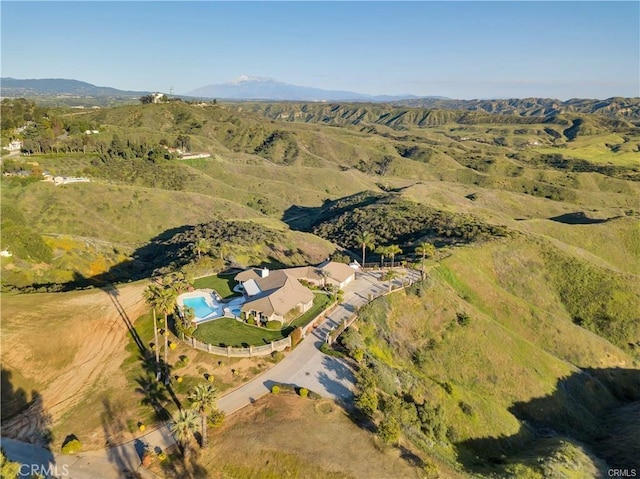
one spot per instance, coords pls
(200, 306)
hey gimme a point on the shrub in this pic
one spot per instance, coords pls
(466, 408)
(463, 318)
(296, 336)
(303, 392)
(389, 429)
(172, 345)
(251, 321)
(275, 389)
(72, 446)
(275, 325)
(329, 351)
(216, 417)
(182, 362)
(358, 355)
(277, 356)
(447, 387)
(314, 395)
(367, 401)
(430, 470)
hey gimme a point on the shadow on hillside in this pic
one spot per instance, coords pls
(579, 218)
(169, 249)
(599, 408)
(25, 420)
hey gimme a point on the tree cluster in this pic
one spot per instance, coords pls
(402, 223)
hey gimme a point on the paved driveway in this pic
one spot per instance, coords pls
(306, 366)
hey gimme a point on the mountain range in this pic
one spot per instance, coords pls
(14, 87)
(257, 88)
(242, 88)
(245, 88)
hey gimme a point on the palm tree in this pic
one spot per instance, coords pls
(183, 426)
(178, 282)
(382, 251)
(203, 399)
(202, 245)
(427, 250)
(166, 304)
(365, 240)
(188, 315)
(390, 275)
(325, 275)
(151, 296)
(392, 251)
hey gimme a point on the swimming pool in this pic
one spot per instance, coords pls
(201, 308)
(206, 305)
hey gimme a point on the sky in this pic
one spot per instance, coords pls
(455, 49)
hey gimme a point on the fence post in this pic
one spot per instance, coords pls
(228, 351)
(250, 351)
(193, 342)
(208, 348)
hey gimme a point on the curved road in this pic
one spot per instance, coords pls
(305, 367)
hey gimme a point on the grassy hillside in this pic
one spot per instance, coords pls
(517, 358)
(483, 365)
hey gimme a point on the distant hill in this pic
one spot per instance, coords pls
(13, 87)
(615, 107)
(255, 88)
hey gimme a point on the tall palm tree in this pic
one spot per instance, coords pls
(203, 399)
(393, 250)
(382, 251)
(166, 304)
(151, 295)
(427, 250)
(183, 427)
(365, 240)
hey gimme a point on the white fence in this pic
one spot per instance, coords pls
(249, 352)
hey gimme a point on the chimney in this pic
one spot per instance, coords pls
(264, 272)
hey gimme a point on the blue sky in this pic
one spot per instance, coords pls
(455, 49)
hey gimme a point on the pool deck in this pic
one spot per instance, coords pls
(214, 301)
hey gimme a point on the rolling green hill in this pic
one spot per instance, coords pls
(518, 355)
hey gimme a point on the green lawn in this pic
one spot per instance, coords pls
(230, 332)
(320, 301)
(222, 284)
